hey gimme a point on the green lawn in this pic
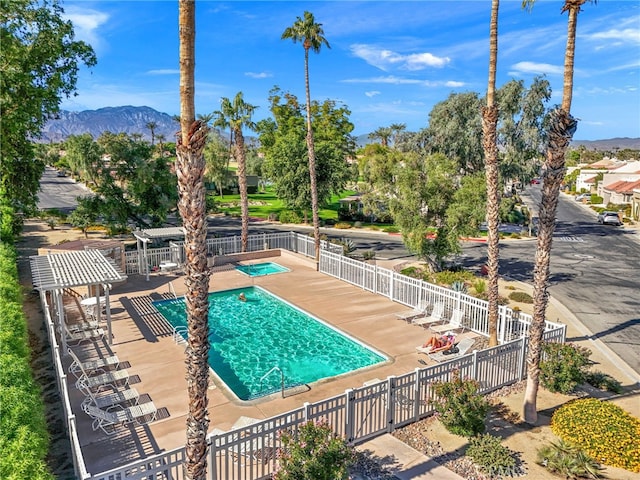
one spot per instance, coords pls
(263, 204)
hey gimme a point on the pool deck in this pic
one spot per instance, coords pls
(156, 363)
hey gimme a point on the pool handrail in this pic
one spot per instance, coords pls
(274, 369)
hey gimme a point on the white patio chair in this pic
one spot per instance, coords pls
(96, 383)
(463, 347)
(418, 311)
(77, 367)
(107, 420)
(455, 323)
(80, 336)
(436, 316)
(128, 395)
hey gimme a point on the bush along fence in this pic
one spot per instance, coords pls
(358, 414)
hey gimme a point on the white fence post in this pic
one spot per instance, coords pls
(523, 352)
(474, 365)
(349, 416)
(391, 278)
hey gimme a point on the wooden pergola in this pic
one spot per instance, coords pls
(53, 273)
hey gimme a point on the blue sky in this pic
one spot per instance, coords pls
(389, 62)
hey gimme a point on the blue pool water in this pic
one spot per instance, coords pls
(260, 269)
(250, 338)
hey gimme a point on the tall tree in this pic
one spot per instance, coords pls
(152, 128)
(561, 129)
(236, 115)
(190, 169)
(216, 155)
(311, 35)
(39, 63)
(383, 134)
(490, 147)
(284, 146)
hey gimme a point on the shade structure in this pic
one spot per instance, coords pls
(74, 269)
(55, 272)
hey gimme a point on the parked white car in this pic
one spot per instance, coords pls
(583, 197)
(609, 218)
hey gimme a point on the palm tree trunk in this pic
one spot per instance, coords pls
(242, 183)
(561, 129)
(312, 164)
(489, 143)
(190, 167)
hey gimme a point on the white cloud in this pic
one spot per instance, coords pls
(394, 80)
(165, 71)
(86, 23)
(537, 68)
(627, 35)
(372, 93)
(258, 75)
(387, 59)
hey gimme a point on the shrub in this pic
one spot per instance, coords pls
(480, 286)
(316, 453)
(461, 409)
(603, 430)
(603, 381)
(391, 230)
(273, 217)
(562, 366)
(289, 216)
(522, 297)
(357, 224)
(211, 204)
(369, 255)
(343, 225)
(490, 455)
(448, 277)
(412, 272)
(458, 286)
(568, 461)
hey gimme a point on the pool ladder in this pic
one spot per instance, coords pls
(274, 369)
(180, 335)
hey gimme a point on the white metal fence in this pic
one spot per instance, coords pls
(291, 241)
(358, 414)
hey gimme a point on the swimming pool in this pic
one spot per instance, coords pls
(260, 269)
(250, 338)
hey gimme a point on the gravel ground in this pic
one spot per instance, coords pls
(414, 435)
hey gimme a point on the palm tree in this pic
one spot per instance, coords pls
(383, 133)
(152, 126)
(396, 129)
(311, 34)
(561, 129)
(489, 144)
(191, 204)
(161, 138)
(237, 114)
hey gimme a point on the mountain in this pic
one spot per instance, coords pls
(125, 119)
(609, 145)
(131, 120)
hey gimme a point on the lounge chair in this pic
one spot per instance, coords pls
(77, 367)
(107, 379)
(79, 336)
(463, 347)
(128, 395)
(104, 419)
(418, 311)
(455, 323)
(435, 317)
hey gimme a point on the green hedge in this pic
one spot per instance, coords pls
(24, 440)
